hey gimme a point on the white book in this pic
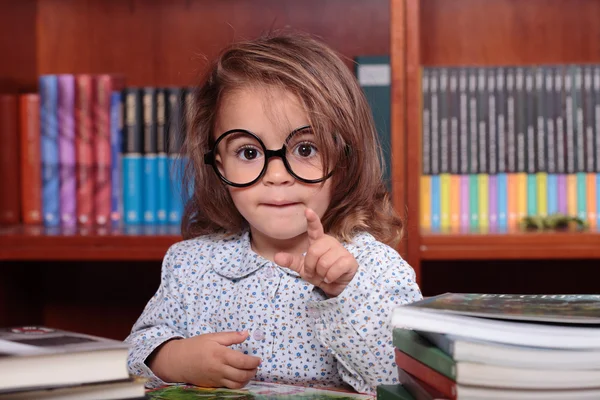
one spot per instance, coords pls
(548, 321)
(41, 357)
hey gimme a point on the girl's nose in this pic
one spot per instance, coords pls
(276, 173)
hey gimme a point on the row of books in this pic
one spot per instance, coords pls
(499, 202)
(495, 346)
(501, 143)
(488, 120)
(86, 150)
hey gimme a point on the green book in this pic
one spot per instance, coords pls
(421, 349)
(393, 392)
(374, 77)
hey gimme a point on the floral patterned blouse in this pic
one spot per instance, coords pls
(214, 284)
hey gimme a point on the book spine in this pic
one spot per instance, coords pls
(176, 130)
(541, 170)
(132, 157)
(511, 148)
(521, 142)
(464, 148)
(104, 86)
(552, 193)
(435, 149)
(444, 149)
(31, 179)
(596, 89)
(84, 139)
(425, 180)
(501, 128)
(483, 178)
(531, 156)
(150, 161)
(49, 150)
(560, 140)
(163, 194)
(425, 202)
(492, 149)
(66, 150)
(10, 209)
(438, 381)
(579, 142)
(588, 122)
(454, 123)
(116, 147)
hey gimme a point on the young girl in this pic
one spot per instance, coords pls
(286, 274)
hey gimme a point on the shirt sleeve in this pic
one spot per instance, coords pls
(163, 319)
(355, 326)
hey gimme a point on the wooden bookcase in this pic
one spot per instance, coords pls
(98, 282)
(481, 33)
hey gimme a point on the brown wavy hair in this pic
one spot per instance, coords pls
(338, 113)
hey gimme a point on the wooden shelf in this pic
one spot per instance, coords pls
(509, 245)
(144, 243)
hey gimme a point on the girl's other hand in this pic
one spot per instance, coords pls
(206, 360)
(327, 263)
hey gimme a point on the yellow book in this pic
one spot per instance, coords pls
(521, 196)
(425, 204)
(484, 214)
(445, 201)
(572, 195)
(542, 193)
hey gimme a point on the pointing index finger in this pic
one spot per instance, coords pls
(314, 226)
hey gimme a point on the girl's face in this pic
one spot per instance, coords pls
(274, 205)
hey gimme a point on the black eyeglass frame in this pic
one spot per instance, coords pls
(209, 158)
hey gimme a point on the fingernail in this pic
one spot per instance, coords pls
(243, 333)
(326, 280)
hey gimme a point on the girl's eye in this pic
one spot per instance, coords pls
(248, 153)
(305, 149)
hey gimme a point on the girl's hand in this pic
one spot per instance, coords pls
(206, 361)
(327, 263)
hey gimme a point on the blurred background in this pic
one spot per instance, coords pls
(488, 113)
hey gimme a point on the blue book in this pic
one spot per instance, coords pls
(49, 150)
(150, 163)
(116, 145)
(502, 190)
(176, 167)
(133, 166)
(162, 161)
(435, 203)
(552, 189)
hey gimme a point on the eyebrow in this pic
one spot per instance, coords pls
(307, 129)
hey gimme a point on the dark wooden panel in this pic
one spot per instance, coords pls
(98, 298)
(511, 276)
(17, 46)
(484, 32)
(165, 42)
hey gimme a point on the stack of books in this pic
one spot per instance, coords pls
(44, 363)
(496, 346)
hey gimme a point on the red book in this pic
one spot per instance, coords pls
(429, 376)
(9, 160)
(84, 152)
(31, 177)
(105, 85)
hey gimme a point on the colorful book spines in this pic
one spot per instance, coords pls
(425, 202)
(49, 150)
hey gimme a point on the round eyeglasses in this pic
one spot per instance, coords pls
(240, 158)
